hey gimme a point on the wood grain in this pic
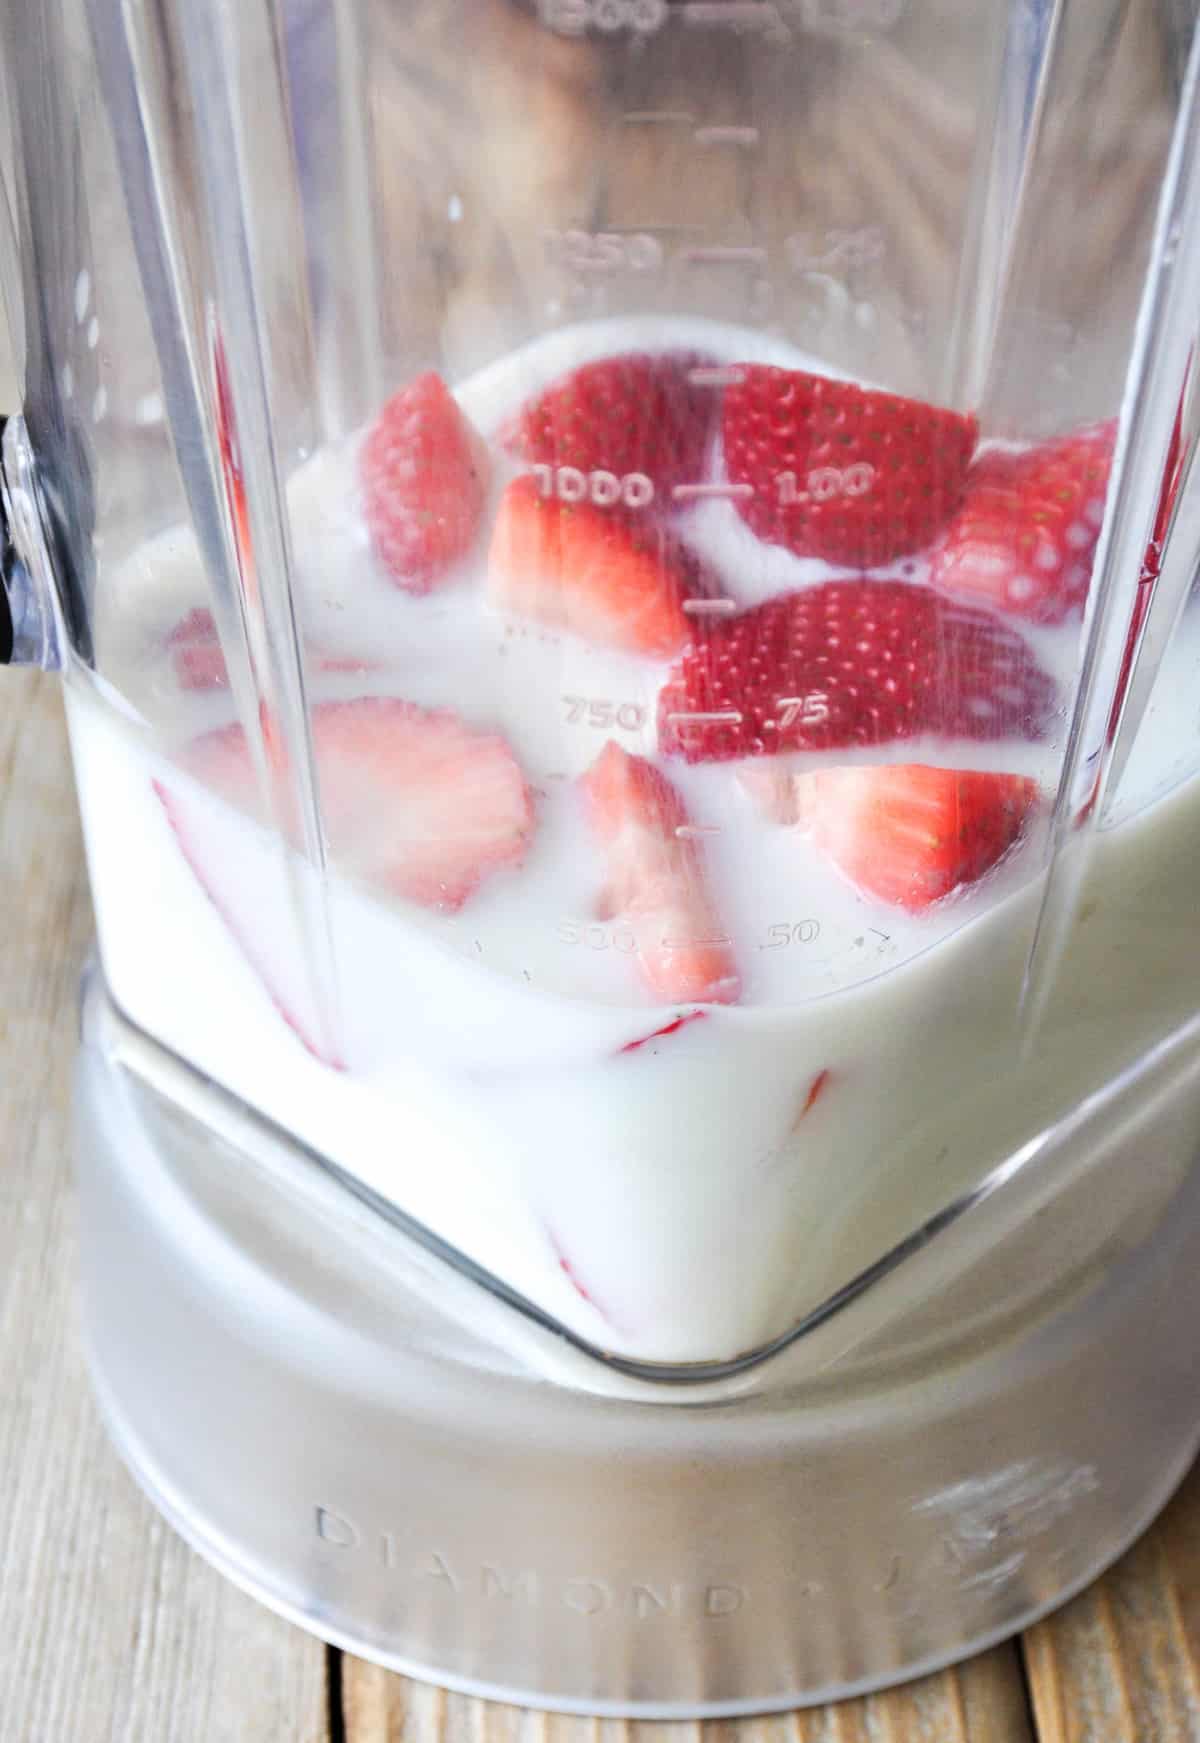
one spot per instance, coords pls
(112, 1630)
(979, 1702)
(1122, 1663)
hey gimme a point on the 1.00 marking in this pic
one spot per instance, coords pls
(574, 17)
(629, 716)
(605, 489)
(826, 482)
(604, 251)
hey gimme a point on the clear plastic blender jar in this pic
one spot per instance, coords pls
(624, 578)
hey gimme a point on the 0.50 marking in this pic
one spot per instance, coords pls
(605, 489)
(824, 483)
(582, 711)
(791, 932)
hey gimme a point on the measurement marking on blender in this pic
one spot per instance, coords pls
(742, 14)
(744, 137)
(697, 492)
(705, 938)
(710, 607)
(666, 228)
(728, 375)
(658, 117)
(721, 717)
(723, 254)
(695, 831)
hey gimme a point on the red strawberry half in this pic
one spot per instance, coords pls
(414, 802)
(1025, 536)
(850, 663)
(909, 834)
(656, 883)
(424, 475)
(611, 579)
(839, 471)
(640, 413)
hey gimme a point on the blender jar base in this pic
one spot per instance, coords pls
(347, 1455)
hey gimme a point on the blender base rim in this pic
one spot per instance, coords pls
(212, 1549)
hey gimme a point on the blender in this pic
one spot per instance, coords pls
(624, 575)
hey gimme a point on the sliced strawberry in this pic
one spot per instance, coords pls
(1025, 536)
(611, 579)
(850, 663)
(414, 802)
(771, 784)
(424, 474)
(198, 662)
(247, 890)
(908, 833)
(839, 471)
(656, 883)
(664, 1029)
(640, 413)
(195, 653)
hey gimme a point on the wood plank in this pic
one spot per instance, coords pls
(113, 1631)
(1122, 1663)
(982, 1701)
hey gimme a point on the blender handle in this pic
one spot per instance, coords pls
(32, 619)
(31, 611)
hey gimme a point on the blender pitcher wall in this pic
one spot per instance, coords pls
(422, 1185)
(229, 208)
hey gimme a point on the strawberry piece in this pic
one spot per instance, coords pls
(609, 578)
(909, 834)
(634, 414)
(198, 662)
(816, 1090)
(671, 1028)
(195, 653)
(424, 474)
(414, 802)
(850, 663)
(1025, 536)
(247, 892)
(839, 471)
(656, 883)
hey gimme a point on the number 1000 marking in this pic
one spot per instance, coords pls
(605, 489)
(826, 482)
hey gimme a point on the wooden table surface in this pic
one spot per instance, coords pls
(115, 1632)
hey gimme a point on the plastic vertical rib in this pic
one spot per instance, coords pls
(224, 278)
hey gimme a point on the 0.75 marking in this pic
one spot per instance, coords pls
(583, 711)
(809, 710)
